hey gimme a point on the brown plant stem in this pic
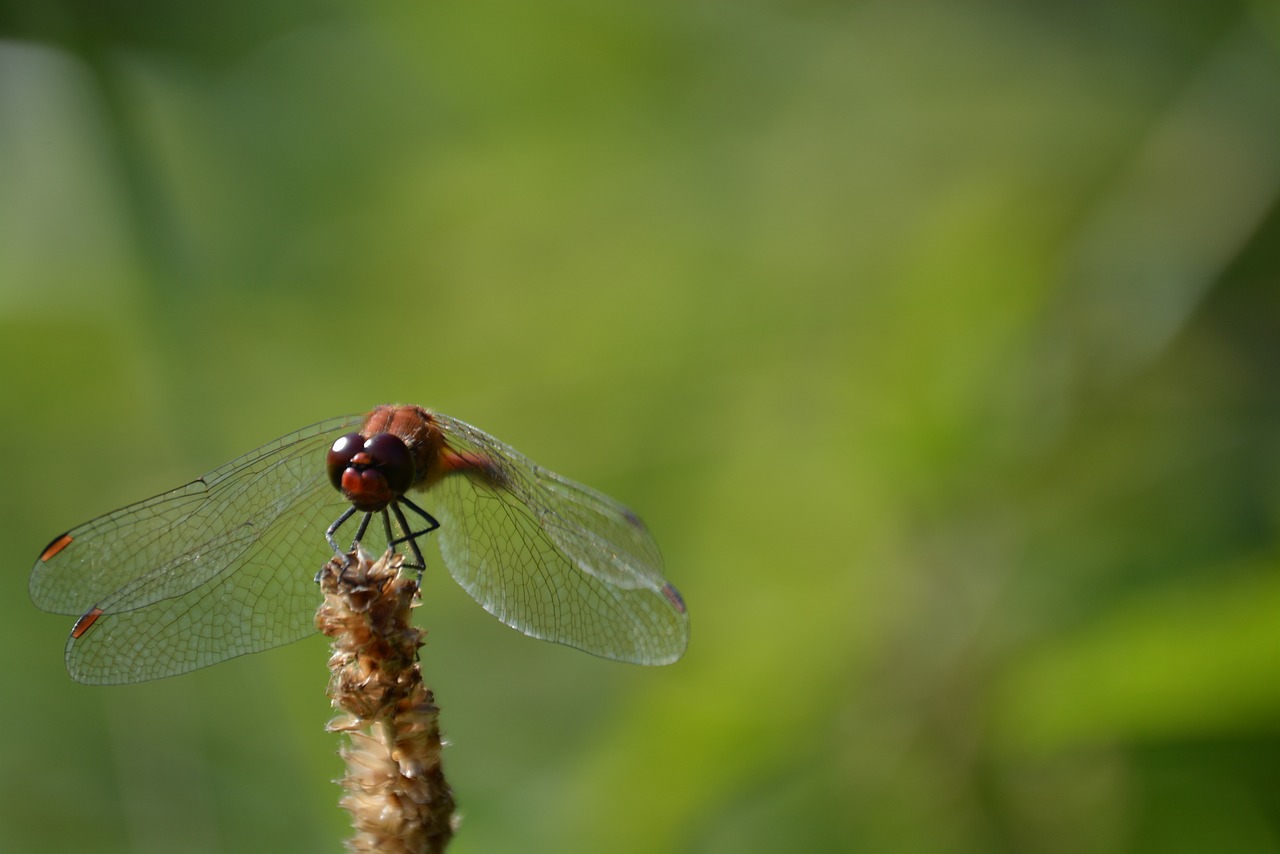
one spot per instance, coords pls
(394, 787)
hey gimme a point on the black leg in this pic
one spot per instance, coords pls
(408, 536)
(418, 562)
(386, 526)
(364, 526)
(331, 535)
(431, 520)
(333, 529)
(411, 536)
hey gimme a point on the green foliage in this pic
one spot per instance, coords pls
(936, 343)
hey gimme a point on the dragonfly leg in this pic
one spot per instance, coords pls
(363, 526)
(386, 526)
(410, 535)
(333, 529)
(430, 520)
(330, 534)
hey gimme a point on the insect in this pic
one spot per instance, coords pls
(224, 565)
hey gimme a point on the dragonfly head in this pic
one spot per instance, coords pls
(370, 473)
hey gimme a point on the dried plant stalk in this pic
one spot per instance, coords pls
(394, 787)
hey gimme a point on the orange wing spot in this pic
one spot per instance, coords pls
(673, 596)
(55, 547)
(86, 622)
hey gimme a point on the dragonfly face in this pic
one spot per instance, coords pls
(370, 473)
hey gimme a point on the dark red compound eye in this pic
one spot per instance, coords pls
(391, 457)
(340, 456)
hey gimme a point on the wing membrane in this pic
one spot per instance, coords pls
(224, 565)
(554, 559)
(251, 538)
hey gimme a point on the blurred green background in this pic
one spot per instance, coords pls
(939, 344)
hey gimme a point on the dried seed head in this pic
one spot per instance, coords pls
(395, 786)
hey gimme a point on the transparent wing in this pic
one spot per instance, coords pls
(552, 558)
(220, 567)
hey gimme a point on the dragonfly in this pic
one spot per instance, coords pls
(225, 565)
